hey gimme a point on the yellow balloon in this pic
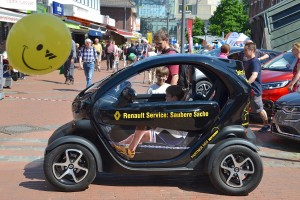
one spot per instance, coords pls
(38, 44)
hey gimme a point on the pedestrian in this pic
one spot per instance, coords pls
(131, 54)
(295, 83)
(253, 75)
(259, 54)
(151, 73)
(124, 49)
(208, 48)
(98, 47)
(68, 67)
(109, 51)
(88, 59)
(139, 49)
(224, 51)
(176, 46)
(161, 40)
(117, 54)
(77, 52)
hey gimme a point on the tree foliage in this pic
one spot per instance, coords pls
(230, 16)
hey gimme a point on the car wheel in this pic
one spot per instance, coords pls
(203, 87)
(70, 167)
(237, 170)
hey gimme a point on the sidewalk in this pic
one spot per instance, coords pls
(36, 106)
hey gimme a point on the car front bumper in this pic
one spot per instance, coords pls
(286, 124)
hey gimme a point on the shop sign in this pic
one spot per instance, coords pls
(19, 4)
(57, 8)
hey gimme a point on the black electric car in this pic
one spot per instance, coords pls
(217, 143)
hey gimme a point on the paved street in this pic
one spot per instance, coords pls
(33, 108)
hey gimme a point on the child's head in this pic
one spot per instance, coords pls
(162, 74)
(174, 93)
(225, 48)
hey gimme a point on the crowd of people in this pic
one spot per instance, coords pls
(90, 55)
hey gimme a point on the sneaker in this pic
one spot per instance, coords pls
(124, 150)
(265, 128)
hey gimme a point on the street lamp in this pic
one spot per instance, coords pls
(168, 14)
(205, 31)
(182, 25)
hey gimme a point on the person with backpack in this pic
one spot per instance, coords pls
(131, 54)
(88, 59)
(161, 40)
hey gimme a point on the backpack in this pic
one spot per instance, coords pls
(132, 57)
(183, 72)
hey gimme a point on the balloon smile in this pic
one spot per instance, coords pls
(25, 63)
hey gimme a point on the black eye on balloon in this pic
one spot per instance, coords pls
(39, 47)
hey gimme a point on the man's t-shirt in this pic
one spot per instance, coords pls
(158, 89)
(243, 58)
(253, 65)
(173, 69)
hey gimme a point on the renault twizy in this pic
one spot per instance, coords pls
(217, 143)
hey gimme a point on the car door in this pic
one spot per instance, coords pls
(181, 115)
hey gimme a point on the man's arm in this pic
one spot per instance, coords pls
(253, 77)
(80, 62)
(174, 79)
(262, 55)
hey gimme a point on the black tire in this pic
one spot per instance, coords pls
(228, 177)
(203, 87)
(74, 158)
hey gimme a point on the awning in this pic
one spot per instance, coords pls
(9, 16)
(93, 32)
(72, 26)
(125, 34)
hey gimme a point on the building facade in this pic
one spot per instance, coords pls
(167, 14)
(275, 24)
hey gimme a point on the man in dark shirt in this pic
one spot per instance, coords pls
(259, 55)
(139, 49)
(161, 40)
(253, 74)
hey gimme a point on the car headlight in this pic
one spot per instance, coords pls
(274, 85)
(291, 109)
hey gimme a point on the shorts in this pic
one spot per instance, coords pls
(256, 104)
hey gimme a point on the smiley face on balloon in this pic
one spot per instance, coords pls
(38, 44)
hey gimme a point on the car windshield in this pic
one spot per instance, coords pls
(283, 62)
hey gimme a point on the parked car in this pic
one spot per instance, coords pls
(234, 51)
(276, 77)
(286, 121)
(204, 85)
(218, 141)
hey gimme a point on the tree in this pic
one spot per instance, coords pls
(198, 30)
(229, 16)
(246, 5)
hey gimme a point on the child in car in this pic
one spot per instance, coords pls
(128, 146)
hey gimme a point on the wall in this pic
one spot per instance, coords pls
(119, 14)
